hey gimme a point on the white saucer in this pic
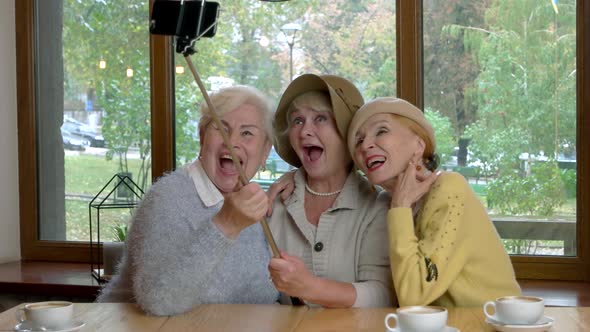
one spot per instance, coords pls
(543, 324)
(72, 326)
(446, 329)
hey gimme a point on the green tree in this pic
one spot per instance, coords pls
(354, 39)
(449, 68)
(89, 36)
(525, 96)
(443, 132)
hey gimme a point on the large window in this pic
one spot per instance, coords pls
(90, 117)
(459, 60)
(106, 109)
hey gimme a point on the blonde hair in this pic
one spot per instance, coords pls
(318, 101)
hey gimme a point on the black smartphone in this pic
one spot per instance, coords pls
(181, 18)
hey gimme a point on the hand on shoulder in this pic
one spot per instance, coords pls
(284, 187)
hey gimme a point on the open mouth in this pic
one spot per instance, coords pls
(374, 162)
(227, 164)
(313, 152)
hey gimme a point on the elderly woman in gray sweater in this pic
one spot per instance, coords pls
(195, 237)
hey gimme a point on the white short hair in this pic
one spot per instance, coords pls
(228, 99)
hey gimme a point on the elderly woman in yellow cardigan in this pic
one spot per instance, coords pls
(444, 250)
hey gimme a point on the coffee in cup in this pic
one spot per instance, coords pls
(516, 310)
(49, 315)
(418, 319)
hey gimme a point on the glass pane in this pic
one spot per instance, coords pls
(93, 108)
(500, 87)
(265, 45)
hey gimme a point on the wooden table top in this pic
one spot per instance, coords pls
(260, 318)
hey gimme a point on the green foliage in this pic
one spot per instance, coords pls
(353, 39)
(187, 117)
(525, 95)
(538, 193)
(450, 66)
(89, 35)
(383, 84)
(120, 233)
(523, 247)
(126, 125)
(495, 149)
(569, 178)
(443, 133)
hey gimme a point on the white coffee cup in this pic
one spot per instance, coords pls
(517, 310)
(418, 319)
(49, 315)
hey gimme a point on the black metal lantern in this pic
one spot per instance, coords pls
(119, 193)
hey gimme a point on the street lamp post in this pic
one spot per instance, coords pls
(290, 31)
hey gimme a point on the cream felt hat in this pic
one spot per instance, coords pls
(390, 105)
(345, 99)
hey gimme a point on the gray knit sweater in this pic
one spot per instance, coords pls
(177, 258)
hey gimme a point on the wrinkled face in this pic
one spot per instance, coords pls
(245, 129)
(384, 147)
(316, 141)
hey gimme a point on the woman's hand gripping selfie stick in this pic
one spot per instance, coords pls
(267, 233)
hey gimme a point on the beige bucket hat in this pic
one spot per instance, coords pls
(345, 99)
(390, 105)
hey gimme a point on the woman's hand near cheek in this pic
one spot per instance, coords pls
(290, 276)
(410, 187)
(241, 209)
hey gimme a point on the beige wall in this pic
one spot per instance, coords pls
(9, 214)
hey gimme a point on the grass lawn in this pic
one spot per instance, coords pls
(86, 175)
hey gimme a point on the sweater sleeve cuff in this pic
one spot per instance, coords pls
(400, 223)
(371, 294)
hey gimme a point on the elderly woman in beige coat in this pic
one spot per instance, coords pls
(331, 230)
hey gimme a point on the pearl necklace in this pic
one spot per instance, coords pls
(315, 193)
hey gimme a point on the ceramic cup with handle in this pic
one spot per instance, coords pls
(417, 319)
(49, 315)
(516, 310)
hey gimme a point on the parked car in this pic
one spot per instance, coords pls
(83, 130)
(73, 142)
